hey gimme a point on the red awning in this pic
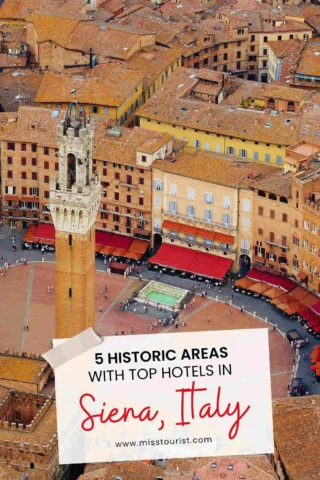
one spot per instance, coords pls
(211, 266)
(24, 198)
(299, 293)
(105, 249)
(206, 234)
(139, 246)
(188, 229)
(302, 275)
(316, 308)
(188, 260)
(173, 256)
(113, 240)
(168, 225)
(275, 280)
(118, 252)
(310, 299)
(222, 238)
(45, 231)
(133, 255)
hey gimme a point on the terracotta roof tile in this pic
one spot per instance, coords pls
(52, 27)
(173, 104)
(309, 61)
(20, 369)
(215, 168)
(297, 435)
(25, 84)
(9, 473)
(109, 85)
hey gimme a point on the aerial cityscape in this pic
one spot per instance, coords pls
(159, 173)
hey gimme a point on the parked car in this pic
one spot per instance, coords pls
(294, 336)
(297, 388)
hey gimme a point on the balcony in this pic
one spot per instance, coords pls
(276, 242)
(196, 220)
(245, 250)
(127, 185)
(157, 229)
(199, 244)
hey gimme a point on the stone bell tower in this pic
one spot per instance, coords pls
(74, 202)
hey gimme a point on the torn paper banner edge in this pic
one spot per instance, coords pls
(72, 348)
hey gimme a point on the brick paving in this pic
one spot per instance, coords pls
(205, 314)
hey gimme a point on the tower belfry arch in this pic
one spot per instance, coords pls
(74, 202)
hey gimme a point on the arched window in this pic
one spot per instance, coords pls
(261, 193)
(70, 240)
(272, 196)
(32, 465)
(71, 175)
(283, 200)
(271, 103)
(291, 106)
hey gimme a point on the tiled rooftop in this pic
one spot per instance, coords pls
(9, 473)
(20, 369)
(309, 61)
(34, 124)
(109, 147)
(297, 435)
(14, 83)
(170, 106)
(109, 85)
(215, 168)
(279, 184)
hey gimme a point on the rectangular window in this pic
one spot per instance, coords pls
(157, 201)
(9, 160)
(24, 175)
(295, 263)
(284, 240)
(141, 201)
(46, 179)
(34, 162)
(272, 214)
(173, 207)
(104, 172)
(279, 159)
(265, 39)
(46, 194)
(197, 144)
(256, 156)
(34, 176)
(252, 38)
(143, 158)
(23, 161)
(34, 147)
(306, 225)
(296, 223)
(106, 110)
(23, 147)
(226, 201)
(34, 191)
(243, 153)
(11, 146)
(265, 51)
(141, 181)
(284, 217)
(117, 176)
(46, 165)
(191, 211)
(158, 185)
(225, 56)
(10, 174)
(116, 195)
(245, 222)
(129, 180)
(208, 215)
(230, 150)
(246, 206)
(226, 219)
(45, 150)
(56, 166)
(260, 211)
(313, 249)
(260, 231)
(24, 190)
(128, 198)
(173, 189)
(207, 147)
(208, 198)
(94, 109)
(267, 157)
(190, 193)
(314, 229)
(239, 54)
